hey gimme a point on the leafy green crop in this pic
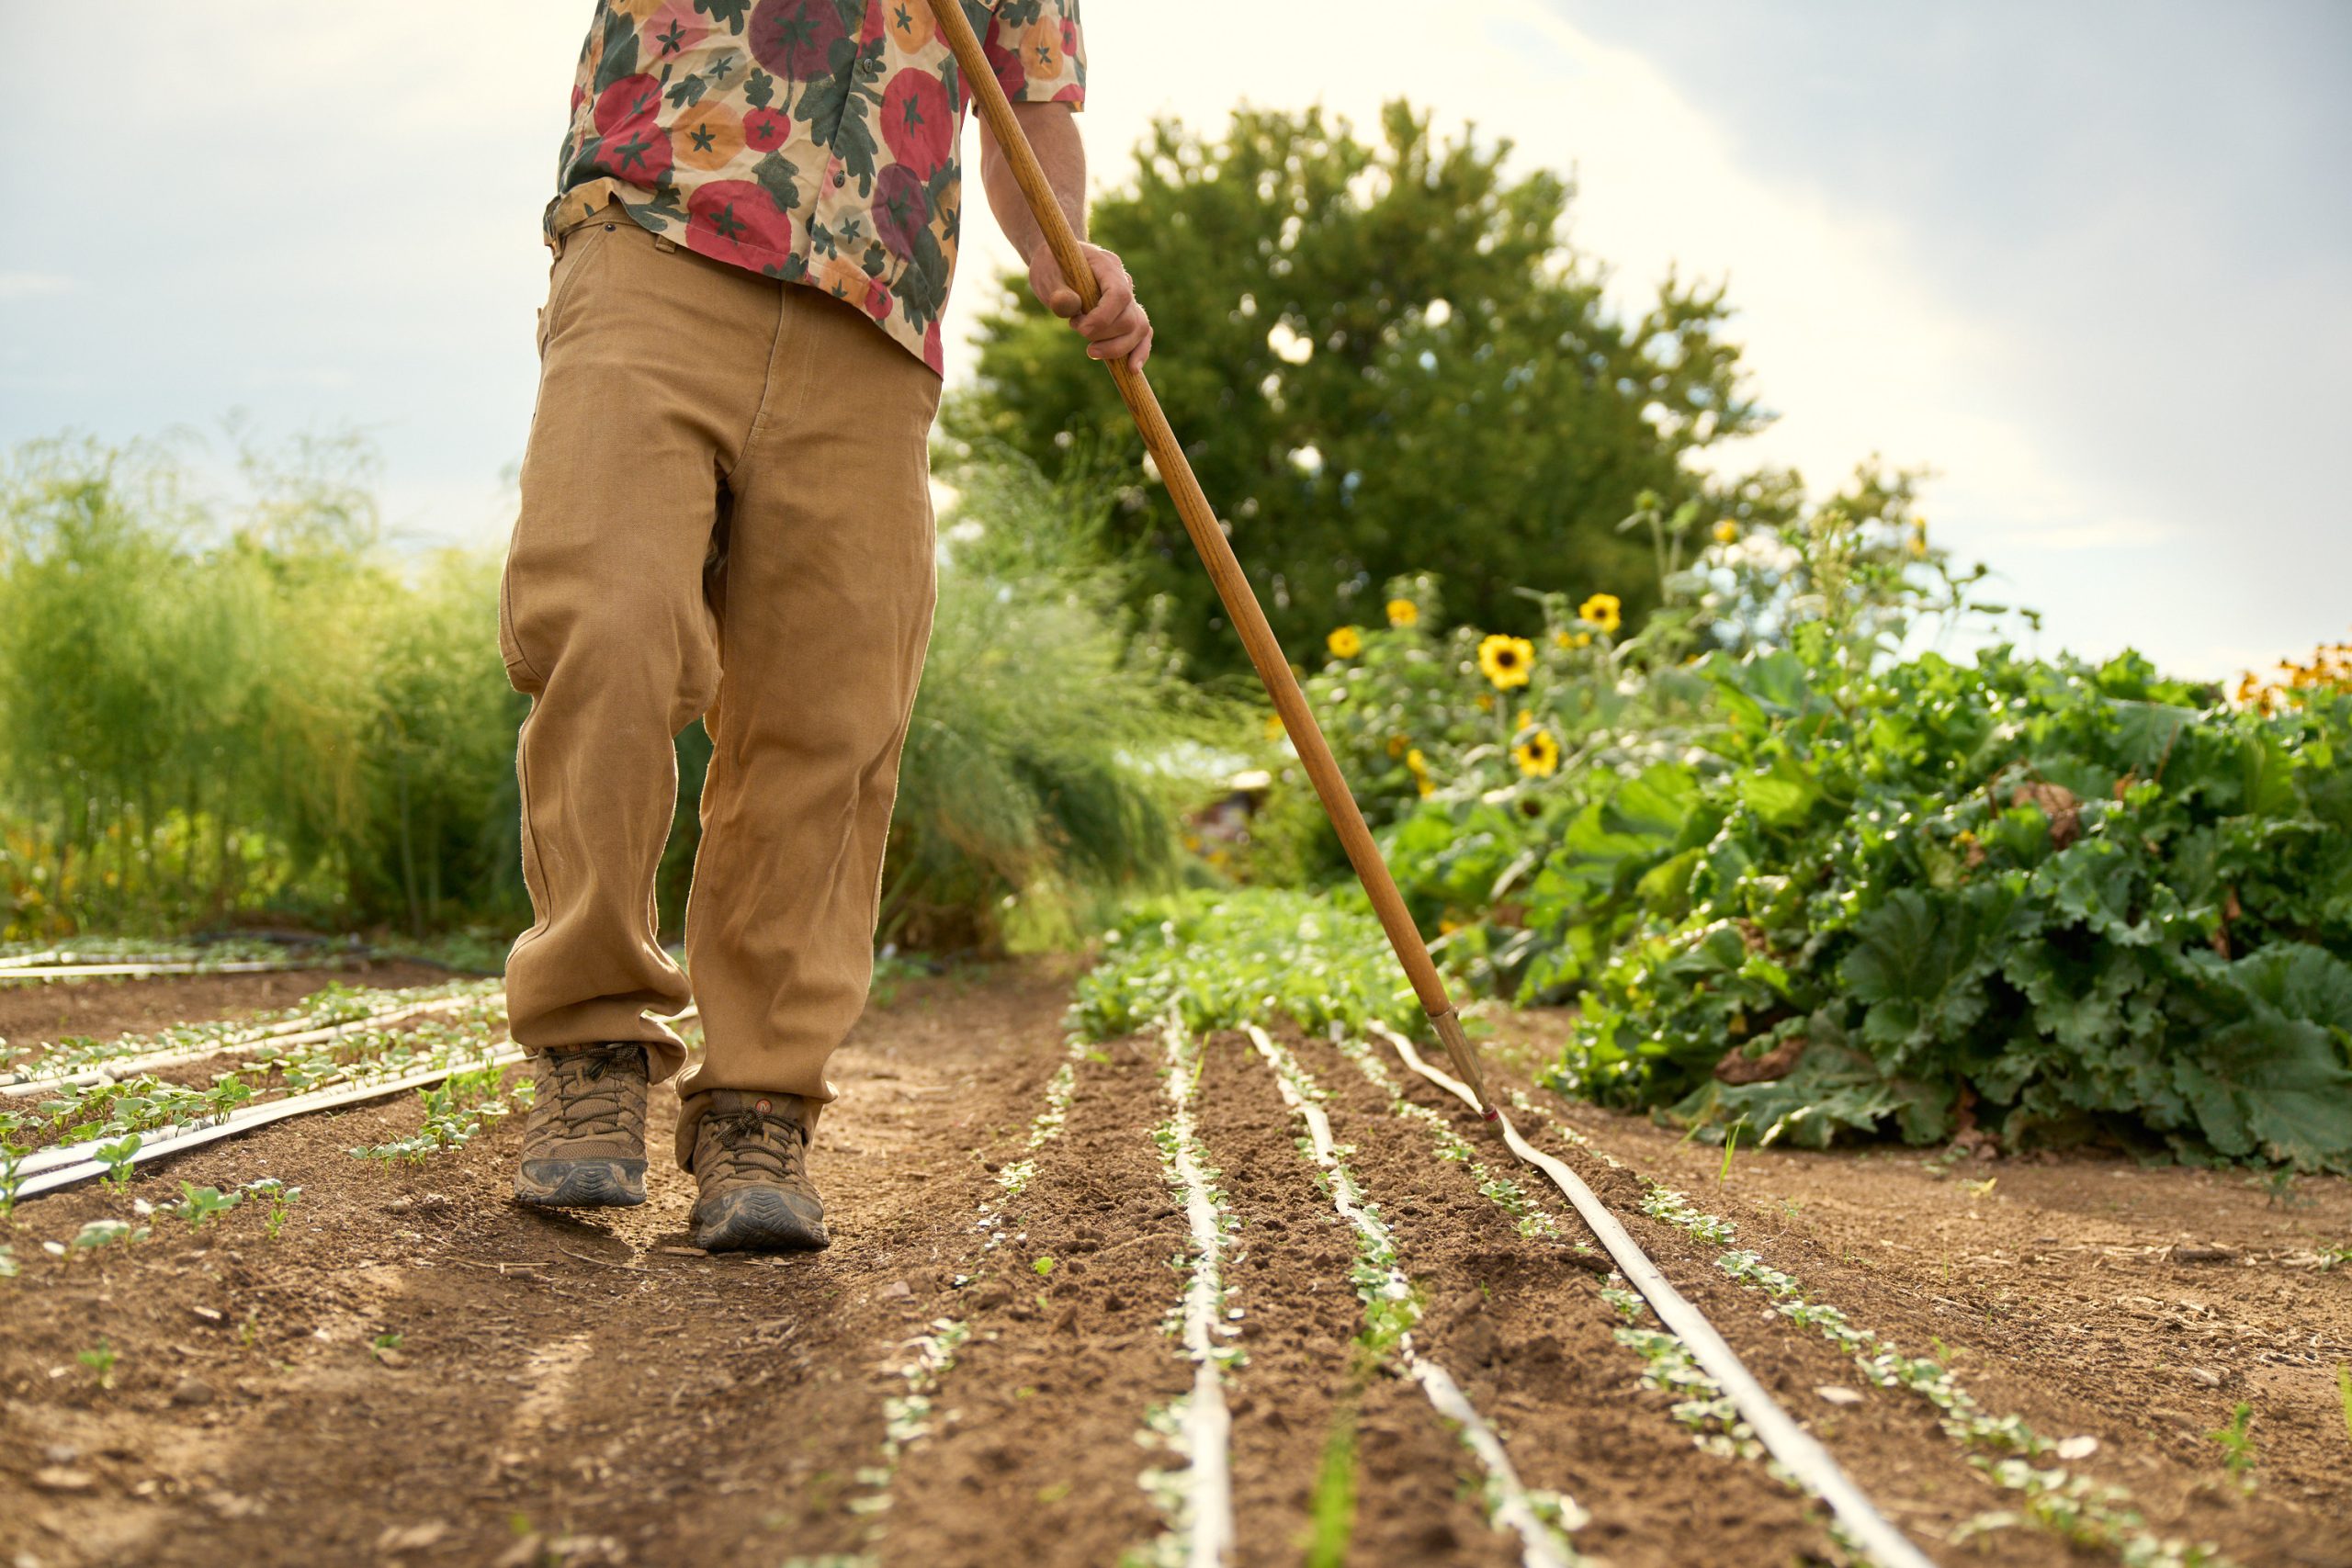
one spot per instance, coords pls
(2051, 899)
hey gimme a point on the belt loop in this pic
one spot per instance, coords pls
(664, 244)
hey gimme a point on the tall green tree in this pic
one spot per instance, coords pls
(1384, 358)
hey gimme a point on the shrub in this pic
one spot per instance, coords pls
(2050, 900)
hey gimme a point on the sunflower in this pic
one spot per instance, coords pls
(1918, 545)
(1420, 765)
(1403, 613)
(1396, 745)
(1524, 719)
(1273, 727)
(1539, 756)
(1727, 532)
(1345, 643)
(1506, 660)
(1602, 610)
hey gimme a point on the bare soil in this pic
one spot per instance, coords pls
(589, 1388)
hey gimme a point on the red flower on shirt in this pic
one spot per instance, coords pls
(764, 131)
(877, 300)
(901, 208)
(630, 99)
(738, 221)
(795, 38)
(917, 122)
(1010, 74)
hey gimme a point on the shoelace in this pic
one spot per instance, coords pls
(586, 1105)
(746, 1146)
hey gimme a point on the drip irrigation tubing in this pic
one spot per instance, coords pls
(50, 1169)
(178, 1139)
(1797, 1451)
(293, 1031)
(1208, 1426)
(43, 974)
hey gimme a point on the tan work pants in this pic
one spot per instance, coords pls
(726, 514)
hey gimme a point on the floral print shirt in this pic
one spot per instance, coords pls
(813, 141)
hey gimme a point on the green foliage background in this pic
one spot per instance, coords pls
(1384, 358)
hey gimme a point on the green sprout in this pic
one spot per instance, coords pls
(101, 1359)
(381, 1343)
(198, 1204)
(116, 1158)
(2237, 1444)
(2344, 1387)
(1043, 1266)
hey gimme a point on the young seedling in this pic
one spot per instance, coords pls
(1044, 1268)
(116, 1158)
(101, 1359)
(2237, 1444)
(9, 1272)
(381, 1343)
(1731, 1146)
(2344, 1388)
(281, 1198)
(198, 1204)
(98, 1232)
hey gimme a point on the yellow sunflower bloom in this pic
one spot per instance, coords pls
(1273, 727)
(1727, 532)
(1415, 761)
(1403, 613)
(1539, 756)
(1602, 610)
(1506, 660)
(1345, 643)
(1522, 719)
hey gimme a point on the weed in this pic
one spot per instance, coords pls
(383, 1342)
(2344, 1388)
(1331, 1513)
(1731, 1143)
(1044, 1266)
(100, 1358)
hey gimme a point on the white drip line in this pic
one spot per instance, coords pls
(64, 1165)
(46, 971)
(1513, 1506)
(1798, 1452)
(1208, 1426)
(68, 1164)
(283, 1035)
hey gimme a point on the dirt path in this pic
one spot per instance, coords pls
(971, 1375)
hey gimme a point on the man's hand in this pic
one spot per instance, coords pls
(1116, 328)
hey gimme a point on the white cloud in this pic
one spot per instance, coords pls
(34, 284)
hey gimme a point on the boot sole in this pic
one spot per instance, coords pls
(759, 1220)
(580, 1183)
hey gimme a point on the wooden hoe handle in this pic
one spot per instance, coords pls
(1224, 570)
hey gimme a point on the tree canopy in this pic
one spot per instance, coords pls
(1382, 358)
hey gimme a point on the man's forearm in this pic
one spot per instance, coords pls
(1052, 131)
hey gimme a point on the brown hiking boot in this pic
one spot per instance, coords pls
(751, 1160)
(584, 1138)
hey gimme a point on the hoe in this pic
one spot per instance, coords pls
(1224, 570)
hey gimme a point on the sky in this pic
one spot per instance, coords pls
(2091, 264)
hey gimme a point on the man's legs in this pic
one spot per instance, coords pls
(826, 610)
(653, 363)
